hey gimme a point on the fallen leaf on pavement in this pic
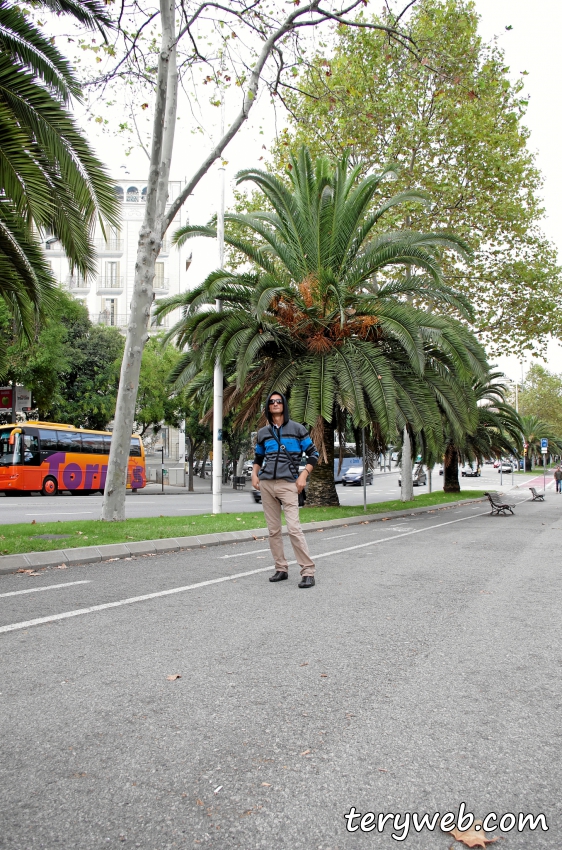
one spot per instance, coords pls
(173, 677)
(306, 752)
(266, 784)
(199, 802)
(385, 519)
(472, 837)
(62, 567)
(304, 664)
(29, 572)
(323, 675)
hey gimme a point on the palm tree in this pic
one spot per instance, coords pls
(534, 430)
(50, 179)
(497, 430)
(317, 320)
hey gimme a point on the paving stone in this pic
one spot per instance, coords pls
(85, 555)
(189, 542)
(46, 559)
(165, 544)
(141, 547)
(11, 563)
(209, 539)
(113, 550)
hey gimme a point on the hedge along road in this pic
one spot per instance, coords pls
(405, 680)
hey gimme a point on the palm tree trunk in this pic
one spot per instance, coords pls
(407, 484)
(321, 490)
(451, 470)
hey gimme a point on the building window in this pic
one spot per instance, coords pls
(143, 194)
(112, 274)
(110, 311)
(119, 192)
(132, 195)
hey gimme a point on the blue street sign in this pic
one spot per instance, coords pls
(544, 445)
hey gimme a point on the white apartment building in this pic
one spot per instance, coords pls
(108, 294)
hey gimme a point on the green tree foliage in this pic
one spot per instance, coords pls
(50, 179)
(541, 396)
(156, 402)
(454, 123)
(536, 429)
(324, 317)
(72, 368)
(498, 432)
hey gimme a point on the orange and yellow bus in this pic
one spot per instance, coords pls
(50, 457)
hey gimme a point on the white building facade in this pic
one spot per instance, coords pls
(108, 294)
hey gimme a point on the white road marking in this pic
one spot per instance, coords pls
(147, 596)
(40, 589)
(337, 537)
(240, 554)
(57, 513)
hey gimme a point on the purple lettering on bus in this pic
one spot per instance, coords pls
(72, 476)
(136, 477)
(103, 476)
(55, 461)
(91, 470)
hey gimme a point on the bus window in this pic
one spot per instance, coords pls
(49, 440)
(69, 441)
(7, 449)
(106, 443)
(135, 450)
(31, 455)
(92, 444)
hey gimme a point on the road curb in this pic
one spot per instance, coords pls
(116, 551)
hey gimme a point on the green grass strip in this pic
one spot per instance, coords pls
(23, 537)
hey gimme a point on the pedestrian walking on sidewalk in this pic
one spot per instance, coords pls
(279, 449)
(558, 478)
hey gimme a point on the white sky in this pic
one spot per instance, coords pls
(531, 45)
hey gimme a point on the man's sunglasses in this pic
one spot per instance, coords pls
(276, 401)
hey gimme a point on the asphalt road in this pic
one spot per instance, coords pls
(177, 502)
(422, 671)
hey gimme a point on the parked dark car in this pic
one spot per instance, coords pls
(354, 475)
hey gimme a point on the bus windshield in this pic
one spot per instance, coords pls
(9, 453)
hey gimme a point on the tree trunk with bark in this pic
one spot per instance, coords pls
(407, 484)
(150, 242)
(321, 489)
(451, 470)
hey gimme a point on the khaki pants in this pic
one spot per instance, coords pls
(286, 492)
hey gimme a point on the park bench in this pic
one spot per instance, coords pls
(538, 495)
(499, 505)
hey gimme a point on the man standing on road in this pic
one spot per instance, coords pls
(558, 478)
(275, 474)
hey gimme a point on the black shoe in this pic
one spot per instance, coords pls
(279, 576)
(307, 581)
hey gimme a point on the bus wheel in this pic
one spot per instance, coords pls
(50, 486)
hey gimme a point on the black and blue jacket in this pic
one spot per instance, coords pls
(279, 450)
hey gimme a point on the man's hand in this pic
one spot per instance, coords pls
(301, 481)
(255, 479)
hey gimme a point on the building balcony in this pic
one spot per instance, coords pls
(109, 285)
(75, 283)
(161, 286)
(114, 320)
(109, 246)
